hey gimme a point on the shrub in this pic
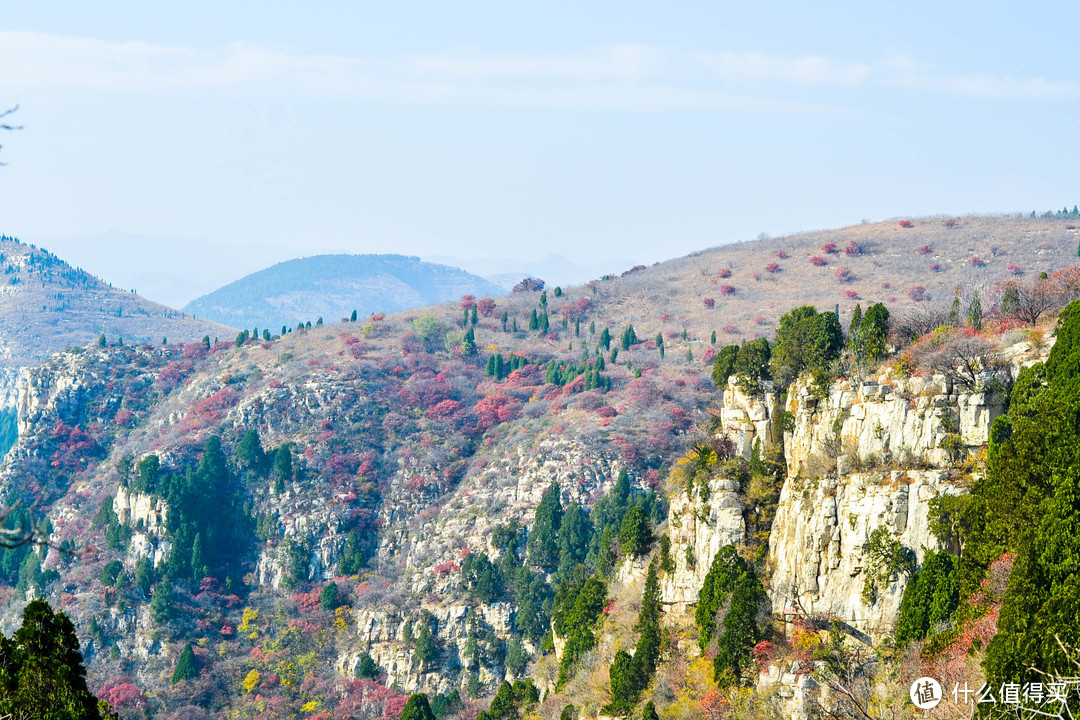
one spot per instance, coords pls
(782, 254)
(772, 267)
(725, 273)
(1013, 268)
(709, 302)
(730, 329)
(830, 248)
(853, 248)
(975, 262)
(935, 267)
(851, 295)
(886, 285)
(906, 224)
(925, 249)
(727, 289)
(818, 261)
(918, 293)
(843, 275)
(951, 222)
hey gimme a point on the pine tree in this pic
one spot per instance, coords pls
(185, 666)
(954, 312)
(575, 534)
(712, 338)
(352, 318)
(199, 568)
(249, 451)
(543, 543)
(161, 604)
(328, 598)
(605, 339)
(649, 713)
(534, 320)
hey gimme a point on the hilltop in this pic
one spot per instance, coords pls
(332, 286)
(380, 455)
(46, 306)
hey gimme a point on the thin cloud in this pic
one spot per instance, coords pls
(620, 77)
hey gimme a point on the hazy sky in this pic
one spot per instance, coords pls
(592, 130)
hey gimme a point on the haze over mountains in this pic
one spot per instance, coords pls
(353, 468)
(333, 286)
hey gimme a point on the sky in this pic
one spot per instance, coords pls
(200, 141)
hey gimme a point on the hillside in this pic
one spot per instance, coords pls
(336, 517)
(47, 306)
(332, 286)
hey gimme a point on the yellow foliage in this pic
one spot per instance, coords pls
(250, 616)
(309, 706)
(342, 619)
(251, 681)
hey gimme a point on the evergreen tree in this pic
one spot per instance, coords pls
(712, 338)
(605, 339)
(975, 313)
(283, 468)
(249, 452)
(185, 666)
(328, 598)
(417, 708)
(752, 365)
(199, 568)
(575, 534)
(954, 312)
(42, 673)
(724, 365)
(649, 713)
(635, 537)
(543, 543)
(806, 340)
(352, 318)
(161, 604)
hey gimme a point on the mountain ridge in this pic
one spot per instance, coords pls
(332, 286)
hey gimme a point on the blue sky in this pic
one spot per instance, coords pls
(626, 131)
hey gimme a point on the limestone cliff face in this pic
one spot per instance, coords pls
(874, 421)
(382, 635)
(702, 528)
(747, 419)
(817, 549)
(147, 516)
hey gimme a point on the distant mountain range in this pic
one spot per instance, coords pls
(332, 286)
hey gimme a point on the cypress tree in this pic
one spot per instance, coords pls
(352, 318)
(185, 666)
(542, 546)
(605, 339)
(975, 313)
(635, 537)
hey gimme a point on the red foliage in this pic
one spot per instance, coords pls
(494, 409)
(1015, 269)
(444, 410)
(730, 329)
(853, 248)
(120, 693)
(308, 602)
(782, 254)
(709, 302)
(925, 249)
(976, 262)
(843, 275)
(763, 653)
(606, 411)
(772, 267)
(918, 293)
(123, 417)
(761, 320)
(485, 306)
(906, 224)
(467, 301)
(709, 356)
(725, 273)
(445, 569)
(951, 222)
(830, 248)
(886, 285)
(727, 289)
(851, 295)
(935, 267)
(818, 261)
